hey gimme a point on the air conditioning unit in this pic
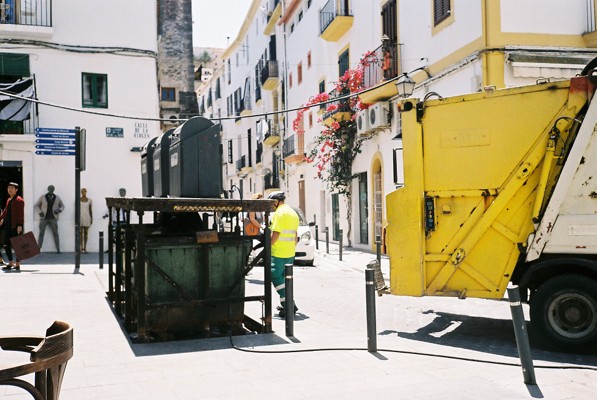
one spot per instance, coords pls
(378, 115)
(362, 123)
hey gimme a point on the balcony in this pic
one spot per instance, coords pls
(245, 105)
(273, 16)
(26, 18)
(272, 137)
(271, 182)
(335, 20)
(292, 155)
(338, 110)
(383, 66)
(269, 75)
(241, 163)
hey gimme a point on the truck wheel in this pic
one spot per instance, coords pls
(564, 312)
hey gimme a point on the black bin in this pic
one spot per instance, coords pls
(161, 165)
(147, 168)
(196, 160)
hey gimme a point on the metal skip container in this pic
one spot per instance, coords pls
(186, 285)
(195, 160)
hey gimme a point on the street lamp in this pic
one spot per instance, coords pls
(405, 86)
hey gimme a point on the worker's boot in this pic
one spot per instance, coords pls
(282, 311)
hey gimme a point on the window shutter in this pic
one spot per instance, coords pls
(14, 64)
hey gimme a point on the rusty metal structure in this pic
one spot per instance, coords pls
(184, 272)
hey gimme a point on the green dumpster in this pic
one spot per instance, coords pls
(191, 288)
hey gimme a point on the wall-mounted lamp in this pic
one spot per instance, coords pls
(405, 86)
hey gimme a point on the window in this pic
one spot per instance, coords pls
(218, 90)
(441, 10)
(168, 94)
(95, 90)
(389, 24)
(322, 90)
(299, 73)
(290, 80)
(310, 119)
(309, 59)
(343, 62)
(228, 71)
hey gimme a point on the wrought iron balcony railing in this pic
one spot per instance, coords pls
(241, 163)
(269, 70)
(30, 12)
(331, 10)
(288, 149)
(383, 65)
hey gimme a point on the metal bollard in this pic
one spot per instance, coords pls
(522, 338)
(101, 250)
(370, 300)
(327, 240)
(316, 237)
(289, 302)
(378, 248)
(340, 246)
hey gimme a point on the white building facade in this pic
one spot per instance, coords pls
(447, 47)
(90, 59)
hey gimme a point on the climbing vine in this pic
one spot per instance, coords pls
(337, 144)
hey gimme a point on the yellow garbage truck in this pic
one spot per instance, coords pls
(500, 186)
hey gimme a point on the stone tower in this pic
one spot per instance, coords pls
(175, 59)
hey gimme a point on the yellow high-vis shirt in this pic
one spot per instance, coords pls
(285, 221)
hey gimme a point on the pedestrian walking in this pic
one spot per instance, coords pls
(12, 220)
(49, 206)
(284, 226)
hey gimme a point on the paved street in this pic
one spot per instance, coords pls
(422, 342)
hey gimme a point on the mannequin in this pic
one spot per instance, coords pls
(49, 206)
(86, 218)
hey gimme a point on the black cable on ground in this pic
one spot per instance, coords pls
(415, 353)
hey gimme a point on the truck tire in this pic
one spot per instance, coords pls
(564, 312)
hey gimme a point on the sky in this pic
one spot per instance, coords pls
(214, 20)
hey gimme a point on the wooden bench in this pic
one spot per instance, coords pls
(49, 356)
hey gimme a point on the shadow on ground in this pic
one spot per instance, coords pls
(487, 335)
(53, 258)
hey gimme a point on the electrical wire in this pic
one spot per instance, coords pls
(130, 51)
(236, 117)
(415, 353)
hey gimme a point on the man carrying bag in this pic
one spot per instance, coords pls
(11, 223)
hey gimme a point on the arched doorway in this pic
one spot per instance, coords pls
(377, 194)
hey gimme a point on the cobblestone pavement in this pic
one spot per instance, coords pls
(428, 348)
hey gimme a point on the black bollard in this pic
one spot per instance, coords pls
(327, 240)
(378, 248)
(370, 300)
(522, 337)
(289, 302)
(101, 250)
(340, 246)
(316, 237)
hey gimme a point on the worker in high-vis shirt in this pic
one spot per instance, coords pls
(284, 226)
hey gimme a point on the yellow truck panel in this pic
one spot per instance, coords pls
(473, 174)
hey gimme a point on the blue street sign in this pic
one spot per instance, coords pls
(55, 141)
(55, 135)
(54, 147)
(54, 130)
(54, 153)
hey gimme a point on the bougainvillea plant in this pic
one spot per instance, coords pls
(337, 144)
